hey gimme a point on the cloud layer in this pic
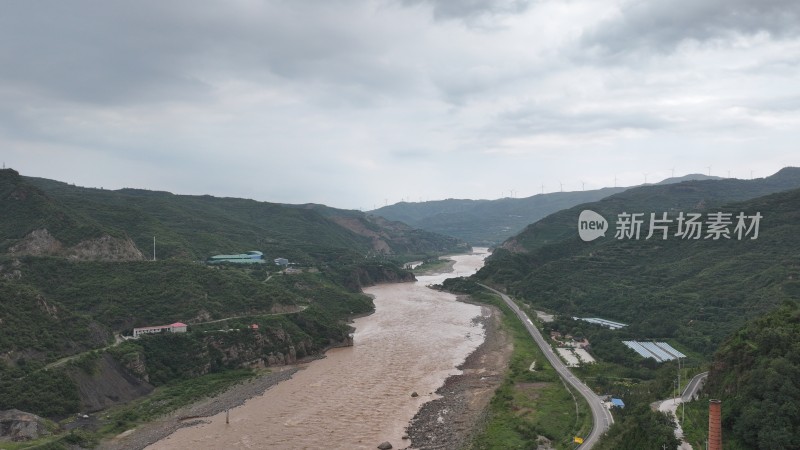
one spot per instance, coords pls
(356, 103)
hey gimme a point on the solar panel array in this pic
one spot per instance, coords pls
(660, 351)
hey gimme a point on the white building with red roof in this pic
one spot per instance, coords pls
(177, 327)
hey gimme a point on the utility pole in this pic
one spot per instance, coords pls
(154, 248)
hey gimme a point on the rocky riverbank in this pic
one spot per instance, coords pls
(152, 432)
(451, 421)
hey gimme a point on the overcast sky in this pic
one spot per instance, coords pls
(356, 103)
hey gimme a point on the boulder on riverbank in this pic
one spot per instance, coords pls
(385, 446)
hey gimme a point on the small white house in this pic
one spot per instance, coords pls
(281, 261)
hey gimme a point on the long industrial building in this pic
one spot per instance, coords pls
(660, 351)
(251, 257)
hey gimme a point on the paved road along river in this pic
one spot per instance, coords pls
(601, 417)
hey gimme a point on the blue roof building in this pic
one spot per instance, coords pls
(251, 257)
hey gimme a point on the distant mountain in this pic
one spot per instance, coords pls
(689, 177)
(490, 222)
(486, 222)
(46, 217)
(694, 291)
(686, 196)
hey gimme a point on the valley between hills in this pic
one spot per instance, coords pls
(80, 271)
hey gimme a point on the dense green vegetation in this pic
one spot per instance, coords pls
(696, 291)
(756, 374)
(638, 427)
(24, 208)
(690, 196)
(196, 227)
(62, 308)
(48, 393)
(692, 293)
(89, 301)
(41, 327)
(125, 295)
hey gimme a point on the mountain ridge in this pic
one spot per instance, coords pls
(695, 291)
(195, 227)
(490, 222)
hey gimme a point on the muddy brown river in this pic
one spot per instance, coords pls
(359, 396)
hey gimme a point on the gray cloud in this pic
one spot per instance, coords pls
(537, 120)
(470, 9)
(94, 52)
(149, 51)
(663, 24)
(349, 102)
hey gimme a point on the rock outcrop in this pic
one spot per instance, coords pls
(37, 243)
(16, 426)
(104, 248)
(370, 276)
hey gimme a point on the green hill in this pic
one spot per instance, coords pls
(756, 374)
(689, 196)
(486, 222)
(490, 222)
(695, 291)
(195, 227)
(76, 272)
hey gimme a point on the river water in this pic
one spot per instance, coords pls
(359, 396)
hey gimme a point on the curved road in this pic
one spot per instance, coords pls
(670, 406)
(695, 384)
(601, 416)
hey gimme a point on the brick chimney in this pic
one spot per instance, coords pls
(714, 425)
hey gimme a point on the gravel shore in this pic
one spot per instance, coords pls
(452, 421)
(193, 414)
